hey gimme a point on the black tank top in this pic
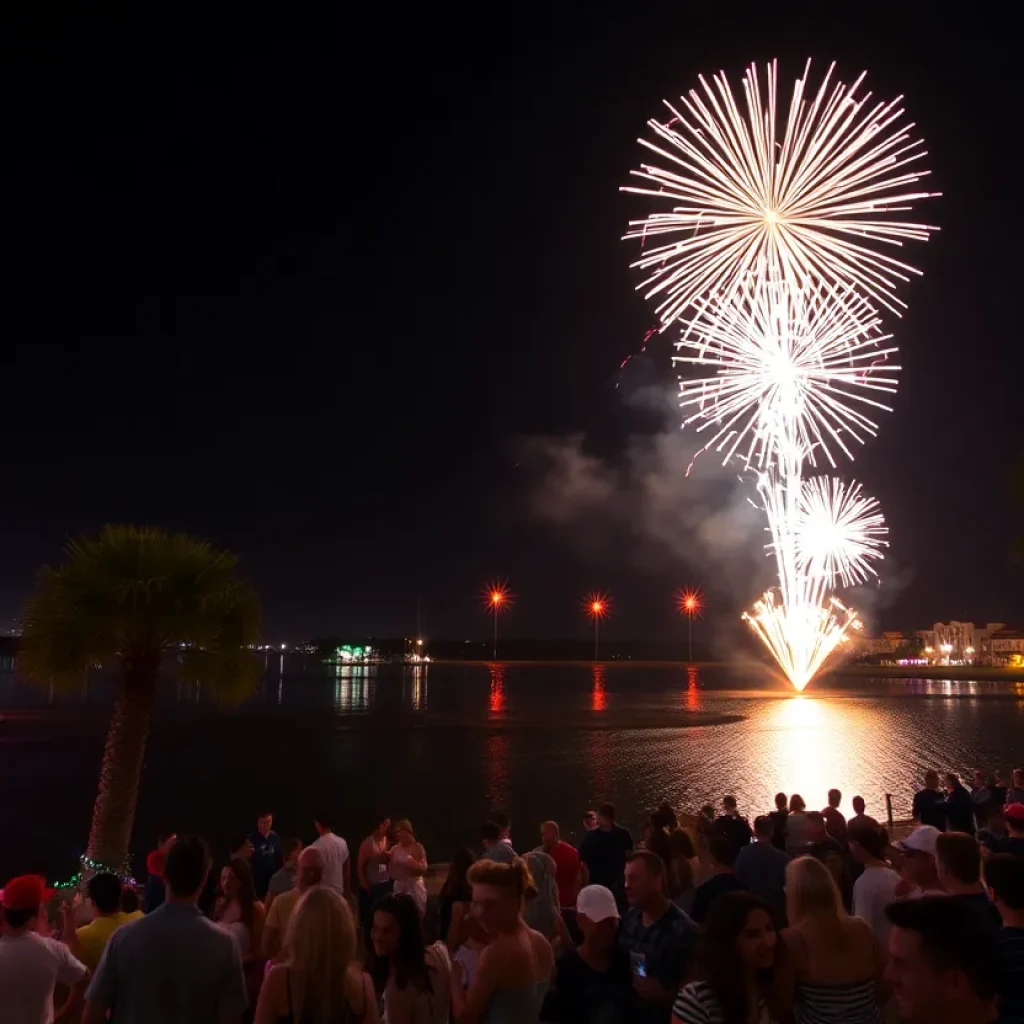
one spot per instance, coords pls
(347, 1016)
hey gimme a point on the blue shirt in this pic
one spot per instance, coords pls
(266, 859)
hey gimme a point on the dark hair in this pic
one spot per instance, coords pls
(764, 826)
(264, 814)
(105, 891)
(19, 918)
(501, 819)
(289, 846)
(719, 965)
(665, 816)
(708, 810)
(797, 803)
(381, 817)
(1004, 874)
(781, 801)
(246, 892)
(456, 886)
(722, 849)
(407, 960)
(858, 802)
(869, 838)
(952, 778)
(237, 843)
(651, 861)
(188, 861)
(607, 810)
(129, 900)
(834, 797)
(658, 841)
(728, 801)
(954, 936)
(325, 821)
(491, 832)
(960, 855)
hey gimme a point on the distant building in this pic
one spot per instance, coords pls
(959, 643)
(887, 643)
(1003, 647)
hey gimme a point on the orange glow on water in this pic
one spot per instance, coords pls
(598, 699)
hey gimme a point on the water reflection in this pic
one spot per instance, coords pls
(419, 687)
(350, 687)
(497, 695)
(693, 701)
(598, 700)
(496, 759)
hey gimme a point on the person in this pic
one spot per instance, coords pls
(592, 981)
(682, 867)
(737, 948)
(1015, 793)
(655, 838)
(656, 936)
(407, 864)
(372, 870)
(589, 822)
(779, 816)
(31, 966)
(731, 825)
(832, 853)
(320, 981)
(982, 784)
(309, 875)
(761, 868)
(604, 850)
(494, 846)
(153, 893)
(567, 865)
(943, 964)
(959, 806)
(412, 982)
(958, 861)
(130, 903)
(835, 822)
(504, 823)
(240, 848)
(88, 942)
(336, 866)
(860, 819)
(243, 916)
(930, 803)
(1004, 881)
(283, 880)
(173, 964)
(665, 817)
(919, 876)
(877, 883)
(798, 831)
(455, 900)
(722, 854)
(267, 854)
(541, 912)
(514, 969)
(1013, 842)
(835, 961)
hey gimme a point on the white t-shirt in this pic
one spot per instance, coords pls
(30, 966)
(871, 892)
(335, 853)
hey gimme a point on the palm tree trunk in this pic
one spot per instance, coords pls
(114, 811)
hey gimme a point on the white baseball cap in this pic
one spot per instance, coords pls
(596, 903)
(921, 840)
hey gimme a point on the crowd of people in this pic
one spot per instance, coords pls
(707, 918)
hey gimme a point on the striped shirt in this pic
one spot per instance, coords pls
(697, 1004)
(853, 1003)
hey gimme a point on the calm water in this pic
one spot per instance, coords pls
(445, 745)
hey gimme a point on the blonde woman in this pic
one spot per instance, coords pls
(408, 865)
(834, 965)
(320, 982)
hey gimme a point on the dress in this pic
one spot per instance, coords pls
(405, 881)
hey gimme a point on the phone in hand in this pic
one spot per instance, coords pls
(638, 963)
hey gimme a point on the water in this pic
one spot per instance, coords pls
(446, 744)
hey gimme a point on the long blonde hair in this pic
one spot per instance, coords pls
(321, 943)
(811, 892)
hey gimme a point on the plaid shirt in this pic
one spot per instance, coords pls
(665, 947)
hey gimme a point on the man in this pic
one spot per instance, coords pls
(504, 823)
(336, 868)
(860, 819)
(982, 794)
(730, 824)
(919, 875)
(494, 848)
(1004, 877)
(779, 816)
(958, 860)
(567, 865)
(942, 962)
(310, 873)
(1013, 842)
(835, 822)
(930, 803)
(876, 886)
(372, 870)
(722, 854)
(153, 894)
(266, 856)
(88, 942)
(656, 937)
(174, 964)
(1015, 794)
(831, 853)
(604, 850)
(30, 965)
(283, 880)
(761, 868)
(959, 806)
(592, 981)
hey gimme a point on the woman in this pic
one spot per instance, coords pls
(514, 971)
(542, 912)
(736, 952)
(834, 961)
(682, 867)
(656, 838)
(455, 899)
(798, 828)
(412, 983)
(320, 982)
(238, 912)
(408, 865)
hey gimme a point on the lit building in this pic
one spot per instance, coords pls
(957, 643)
(1004, 647)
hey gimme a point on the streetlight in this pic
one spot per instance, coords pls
(691, 604)
(596, 606)
(497, 597)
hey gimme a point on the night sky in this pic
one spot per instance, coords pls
(335, 294)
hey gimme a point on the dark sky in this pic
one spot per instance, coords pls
(308, 288)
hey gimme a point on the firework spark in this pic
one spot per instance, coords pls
(815, 200)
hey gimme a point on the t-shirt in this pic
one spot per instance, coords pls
(735, 828)
(875, 888)
(779, 828)
(862, 821)
(281, 881)
(696, 1003)
(706, 894)
(280, 911)
(584, 996)
(663, 948)
(500, 853)
(762, 869)
(266, 859)
(604, 853)
(95, 935)
(835, 823)
(335, 852)
(30, 966)
(984, 906)
(172, 966)
(960, 811)
(1011, 975)
(837, 859)
(567, 871)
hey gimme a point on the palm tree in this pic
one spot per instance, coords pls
(141, 600)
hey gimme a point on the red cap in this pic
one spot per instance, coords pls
(1014, 811)
(26, 892)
